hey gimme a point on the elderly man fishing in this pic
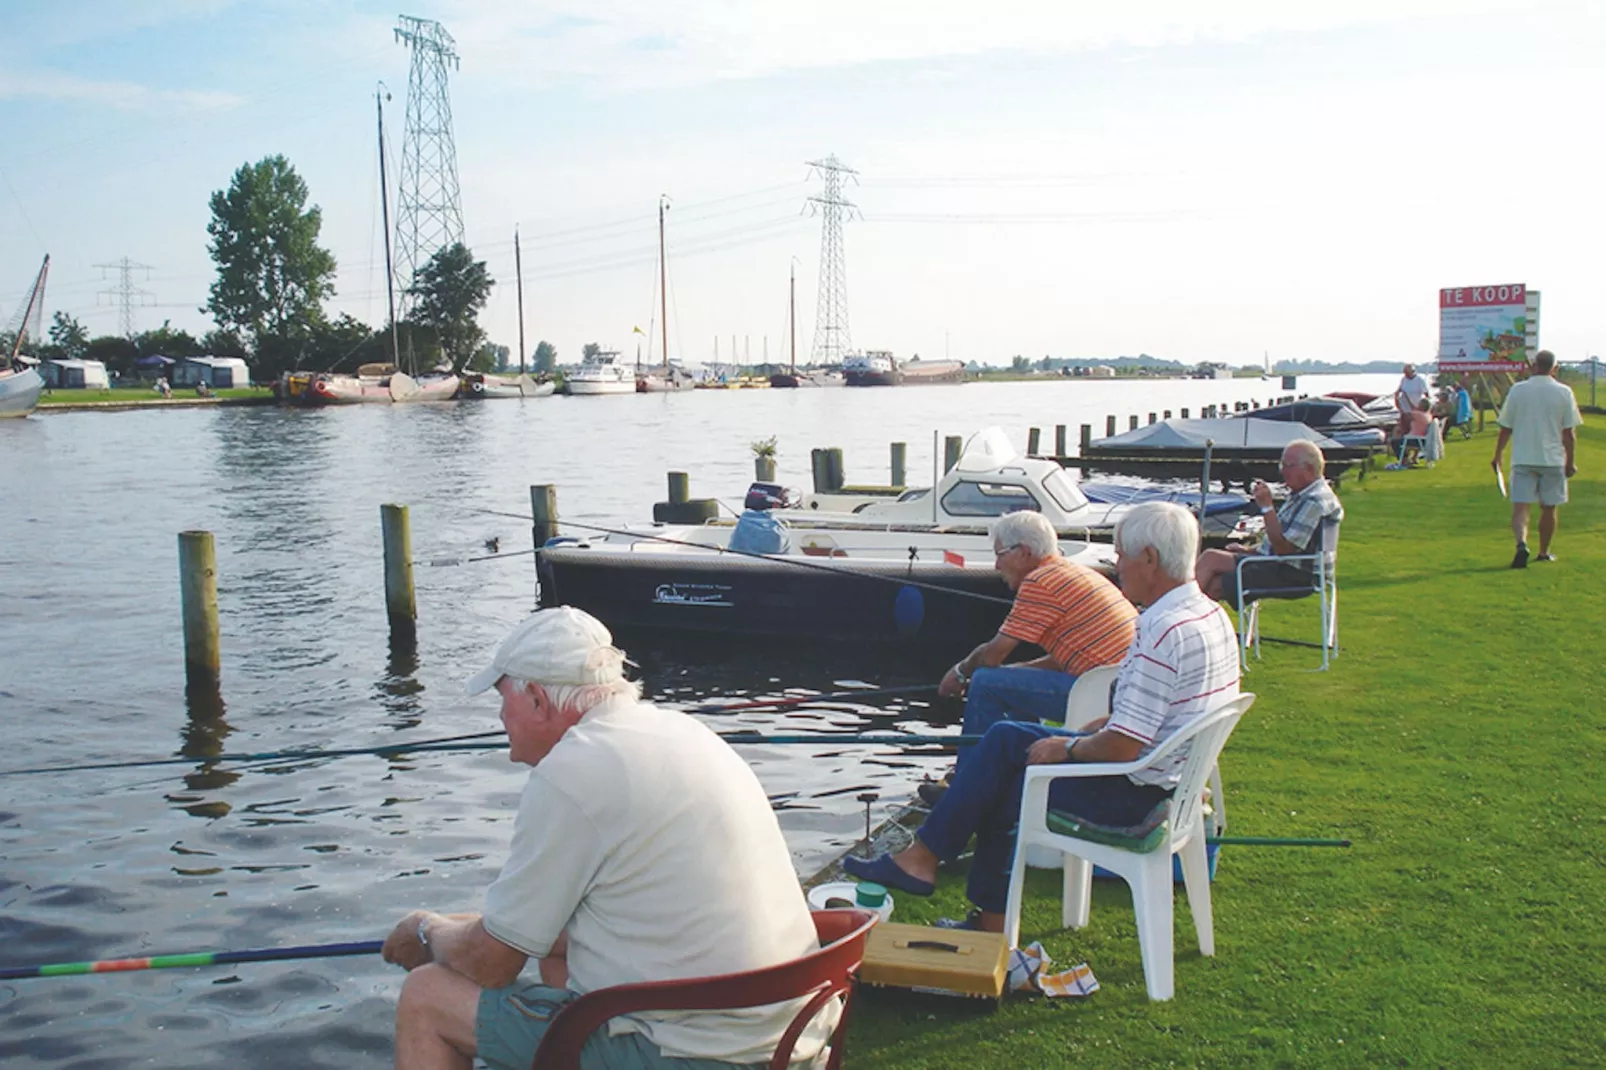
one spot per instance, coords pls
(644, 850)
(1182, 663)
(1074, 614)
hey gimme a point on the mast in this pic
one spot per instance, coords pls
(35, 309)
(518, 270)
(791, 317)
(384, 208)
(663, 281)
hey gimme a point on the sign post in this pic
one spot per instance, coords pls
(1487, 329)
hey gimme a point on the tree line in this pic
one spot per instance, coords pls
(273, 279)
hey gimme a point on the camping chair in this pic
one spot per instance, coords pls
(1323, 551)
(1144, 863)
(818, 977)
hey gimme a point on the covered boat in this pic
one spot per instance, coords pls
(1241, 449)
(484, 387)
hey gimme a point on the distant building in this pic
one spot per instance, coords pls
(75, 375)
(219, 373)
(1101, 371)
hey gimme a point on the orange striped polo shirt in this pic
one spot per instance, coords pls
(1073, 613)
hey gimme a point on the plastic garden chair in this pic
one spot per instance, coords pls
(1145, 864)
(818, 978)
(1323, 553)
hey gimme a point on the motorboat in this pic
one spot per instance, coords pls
(602, 373)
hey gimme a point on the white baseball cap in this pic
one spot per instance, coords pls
(556, 646)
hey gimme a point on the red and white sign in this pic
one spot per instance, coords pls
(1483, 328)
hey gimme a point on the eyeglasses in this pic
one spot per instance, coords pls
(1000, 551)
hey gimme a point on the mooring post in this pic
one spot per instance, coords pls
(1153, 419)
(401, 603)
(1109, 426)
(834, 468)
(1034, 439)
(1059, 440)
(821, 470)
(197, 577)
(1132, 422)
(544, 513)
(679, 487)
(1087, 438)
(1165, 414)
(900, 464)
(952, 445)
(1183, 413)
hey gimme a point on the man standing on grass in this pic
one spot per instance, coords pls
(1538, 419)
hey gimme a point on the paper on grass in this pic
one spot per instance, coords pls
(1500, 480)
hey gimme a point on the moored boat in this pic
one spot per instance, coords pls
(20, 387)
(20, 382)
(601, 373)
(878, 367)
(485, 387)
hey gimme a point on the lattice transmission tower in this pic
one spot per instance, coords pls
(831, 338)
(429, 214)
(126, 294)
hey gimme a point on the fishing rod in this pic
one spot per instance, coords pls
(466, 742)
(835, 570)
(199, 958)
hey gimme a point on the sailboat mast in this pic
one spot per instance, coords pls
(36, 300)
(518, 270)
(384, 209)
(663, 282)
(791, 317)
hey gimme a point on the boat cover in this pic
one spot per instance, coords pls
(1234, 433)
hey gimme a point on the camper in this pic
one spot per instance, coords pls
(219, 373)
(75, 375)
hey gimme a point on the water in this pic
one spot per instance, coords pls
(137, 862)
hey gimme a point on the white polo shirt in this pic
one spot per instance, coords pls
(1536, 411)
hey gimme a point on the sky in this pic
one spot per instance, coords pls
(1198, 182)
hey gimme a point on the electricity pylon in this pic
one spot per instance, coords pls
(429, 214)
(831, 338)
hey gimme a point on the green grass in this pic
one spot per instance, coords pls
(1457, 741)
(123, 395)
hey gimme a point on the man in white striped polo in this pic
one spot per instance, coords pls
(1182, 663)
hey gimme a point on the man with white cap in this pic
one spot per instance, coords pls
(644, 850)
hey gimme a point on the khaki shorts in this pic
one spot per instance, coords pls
(1542, 483)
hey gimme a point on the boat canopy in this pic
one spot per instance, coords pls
(1234, 433)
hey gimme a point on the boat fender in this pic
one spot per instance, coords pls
(909, 611)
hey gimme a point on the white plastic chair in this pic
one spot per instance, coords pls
(1324, 582)
(1148, 873)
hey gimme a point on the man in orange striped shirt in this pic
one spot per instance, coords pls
(1080, 620)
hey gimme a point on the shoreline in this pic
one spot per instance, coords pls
(127, 404)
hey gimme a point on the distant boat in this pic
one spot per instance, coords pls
(670, 379)
(21, 384)
(601, 373)
(878, 367)
(485, 387)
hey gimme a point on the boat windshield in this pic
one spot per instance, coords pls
(968, 498)
(1066, 494)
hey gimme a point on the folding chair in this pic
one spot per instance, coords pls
(1144, 864)
(816, 978)
(1323, 582)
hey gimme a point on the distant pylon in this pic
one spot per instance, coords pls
(831, 337)
(127, 294)
(429, 215)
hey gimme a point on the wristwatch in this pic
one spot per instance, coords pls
(1264, 509)
(959, 673)
(1070, 748)
(423, 932)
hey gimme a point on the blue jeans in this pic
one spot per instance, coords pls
(1012, 695)
(984, 801)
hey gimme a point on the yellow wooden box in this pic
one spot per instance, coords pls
(950, 961)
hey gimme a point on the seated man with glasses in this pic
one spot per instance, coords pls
(1079, 619)
(1295, 528)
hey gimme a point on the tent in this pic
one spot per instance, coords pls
(75, 375)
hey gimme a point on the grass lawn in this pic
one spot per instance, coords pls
(1457, 741)
(124, 395)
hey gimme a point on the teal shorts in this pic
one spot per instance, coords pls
(511, 1022)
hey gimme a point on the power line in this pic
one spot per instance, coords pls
(127, 294)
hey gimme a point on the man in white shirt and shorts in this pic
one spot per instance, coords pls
(1538, 419)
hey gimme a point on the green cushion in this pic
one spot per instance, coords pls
(1147, 835)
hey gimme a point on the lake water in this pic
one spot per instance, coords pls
(109, 864)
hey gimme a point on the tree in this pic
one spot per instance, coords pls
(168, 342)
(490, 357)
(590, 349)
(223, 343)
(546, 357)
(114, 351)
(68, 336)
(1020, 364)
(272, 276)
(450, 289)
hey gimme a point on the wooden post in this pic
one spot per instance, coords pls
(197, 578)
(900, 464)
(401, 603)
(1087, 438)
(822, 477)
(544, 510)
(1059, 440)
(1034, 439)
(833, 459)
(1153, 418)
(1132, 422)
(1109, 426)
(679, 487)
(1165, 414)
(952, 446)
(1182, 414)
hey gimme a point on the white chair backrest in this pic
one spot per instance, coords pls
(1207, 736)
(1090, 696)
(1330, 542)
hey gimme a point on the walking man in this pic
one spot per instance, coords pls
(1538, 419)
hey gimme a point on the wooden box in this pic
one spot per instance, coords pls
(954, 962)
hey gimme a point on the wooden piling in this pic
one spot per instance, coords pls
(1183, 414)
(679, 487)
(821, 471)
(1087, 438)
(900, 464)
(544, 511)
(1154, 418)
(1165, 414)
(197, 577)
(838, 474)
(1109, 426)
(401, 602)
(1059, 440)
(1034, 439)
(1132, 422)
(952, 446)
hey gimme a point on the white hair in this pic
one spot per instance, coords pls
(1028, 529)
(579, 698)
(1166, 528)
(1308, 453)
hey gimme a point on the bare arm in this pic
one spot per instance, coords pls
(1569, 438)
(986, 656)
(1500, 447)
(1102, 746)
(1274, 527)
(460, 943)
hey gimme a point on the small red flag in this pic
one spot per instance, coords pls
(951, 558)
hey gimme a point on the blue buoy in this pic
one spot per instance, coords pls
(909, 611)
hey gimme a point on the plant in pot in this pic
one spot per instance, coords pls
(764, 459)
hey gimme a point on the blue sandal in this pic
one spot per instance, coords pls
(883, 870)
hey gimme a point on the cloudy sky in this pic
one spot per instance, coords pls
(1197, 181)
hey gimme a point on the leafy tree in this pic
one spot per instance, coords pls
(1020, 364)
(68, 336)
(114, 351)
(168, 342)
(490, 357)
(450, 289)
(272, 276)
(590, 349)
(223, 343)
(546, 357)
